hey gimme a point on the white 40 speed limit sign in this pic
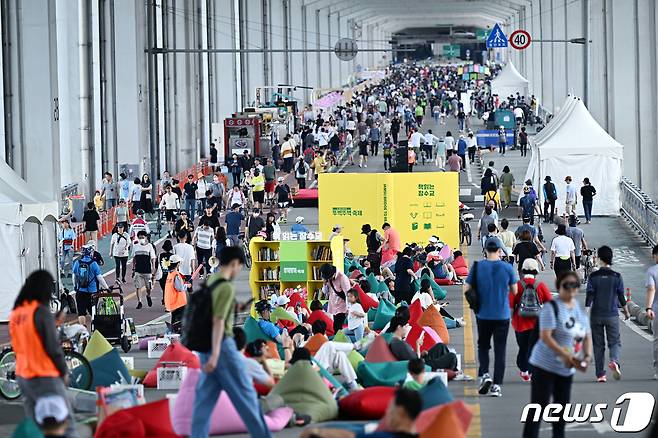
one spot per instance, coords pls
(520, 39)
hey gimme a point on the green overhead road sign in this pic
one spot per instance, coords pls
(451, 50)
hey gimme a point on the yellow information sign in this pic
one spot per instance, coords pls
(418, 205)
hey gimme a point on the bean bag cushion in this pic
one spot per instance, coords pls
(415, 311)
(429, 340)
(281, 314)
(144, 421)
(374, 283)
(341, 337)
(382, 373)
(382, 288)
(367, 302)
(252, 330)
(224, 419)
(385, 311)
(431, 317)
(106, 370)
(445, 419)
(435, 393)
(303, 390)
(297, 298)
(144, 343)
(444, 282)
(175, 352)
(461, 267)
(459, 408)
(439, 292)
(97, 346)
(367, 404)
(324, 316)
(379, 351)
(331, 380)
(355, 358)
(372, 313)
(315, 342)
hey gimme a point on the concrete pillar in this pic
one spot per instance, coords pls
(324, 58)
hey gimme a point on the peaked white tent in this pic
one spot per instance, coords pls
(28, 235)
(574, 144)
(509, 81)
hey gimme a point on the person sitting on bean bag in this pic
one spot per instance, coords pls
(274, 331)
(437, 357)
(443, 270)
(318, 313)
(426, 298)
(416, 369)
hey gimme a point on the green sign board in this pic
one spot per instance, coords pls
(451, 50)
(293, 270)
(481, 34)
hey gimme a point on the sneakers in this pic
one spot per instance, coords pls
(602, 379)
(495, 391)
(460, 322)
(485, 384)
(139, 305)
(149, 302)
(525, 376)
(616, 371)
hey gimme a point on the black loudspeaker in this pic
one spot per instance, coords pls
(401, 158)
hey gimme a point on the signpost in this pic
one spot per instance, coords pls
(496, 38)
(451, 50)
(346, 49)
(520, 39)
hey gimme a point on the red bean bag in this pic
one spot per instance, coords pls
(368, 404)
(324, 316)
(431, 317)
(444, 419)
(429, 341)
(461, 268)
(175, 352)
(297, 298)
(367, 302)
(415, 311)
(444, 282)
(148, 420)
(379, 351)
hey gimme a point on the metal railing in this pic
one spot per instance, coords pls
(640, 211)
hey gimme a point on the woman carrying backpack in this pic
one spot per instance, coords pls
(529, 298)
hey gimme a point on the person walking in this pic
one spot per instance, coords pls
(121, 214)
(120, 246)
(234, 224)
(109, 191)
(335, 287)
(502, 140)
(461, 150)
(525, 328)
(146, 194)
(440, 159)
(605, 294)
(493, 281)
(550, 196)
(563, 251)
(203, 244)
(166, 252)
(302, 171)
(404, 276)
(387, 152)
(651, 305)
(578, 236)
(507, 184)
(144, 259)
(565, 344)
(411, 158)
(571, 198)
(170, 203)
(472, 147)
(40, 367)
(363, 151)
(91, 218)
(66, 239)
(222, 365)
(523, 141)
(375, 138)
(175, 293)
(587, 192)
(190, 189)
(87, 278)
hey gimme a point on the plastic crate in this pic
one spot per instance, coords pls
(170, 376)
(156, 347)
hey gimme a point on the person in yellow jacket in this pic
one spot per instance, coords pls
(175, 295)
(40, 365)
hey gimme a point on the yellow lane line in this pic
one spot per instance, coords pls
(468, 366)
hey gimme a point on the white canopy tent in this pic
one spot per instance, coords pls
(509, 81)
(28, 235)
(574, 144)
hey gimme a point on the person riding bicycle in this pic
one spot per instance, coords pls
(138, 224)
(87, 279)
(40, 364)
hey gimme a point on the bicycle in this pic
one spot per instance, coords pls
(244, 244)
(588, 262)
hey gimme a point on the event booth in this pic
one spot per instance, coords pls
(509, 82)
(574, 144)
(28, 235)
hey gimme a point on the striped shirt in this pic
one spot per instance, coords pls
(204, 238)
(569, 330)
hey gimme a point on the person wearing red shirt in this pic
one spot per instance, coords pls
(525, 329)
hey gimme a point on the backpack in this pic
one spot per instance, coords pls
(83, 274)
(529, 306)
(301, 168)
(196, 333)
(549, 187)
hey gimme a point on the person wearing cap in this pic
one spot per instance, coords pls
(302, 173)
(87, 277)
(138, 224)
(66, 237)
(120, 246)
(528, 205)
(374, 245)
(283, 198)
(184, 224)
(571, 198)
(40, 367)
(271, 330)
(51, 413)
(495, 280)
(335, 287)
(550, 196)
(175, 293)
(525, 329)
(587, 192)
(563, 251)
(298, 226)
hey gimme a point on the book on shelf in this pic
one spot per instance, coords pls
(270, 274)
(268, 255)
(266, 290)
(321, 253)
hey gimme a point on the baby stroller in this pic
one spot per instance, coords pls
(110, 320)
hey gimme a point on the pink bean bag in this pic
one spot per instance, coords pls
(144, 342)
(224, 418)
(461, 268)
(429, 341)
(379, 351)
(175, 352)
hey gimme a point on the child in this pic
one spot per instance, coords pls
(416, 377)
(356, 317)
(51, 413)
(99, 202)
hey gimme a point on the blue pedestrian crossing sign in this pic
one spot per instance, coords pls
(496, 38)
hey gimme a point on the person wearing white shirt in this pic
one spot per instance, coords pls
(356, 317)
(571, 198)
(171, 204)
(416, 139)
(430, 143)
(120, 247)
(323, 138)
(518, 115)
(185, 251)
(563, 251)
(203, 241)
(450, 141)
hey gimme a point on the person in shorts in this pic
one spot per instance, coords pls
(144, 260)
(283, 198)
(87, 277)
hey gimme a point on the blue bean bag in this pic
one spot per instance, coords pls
(106, 370)
(435, 393)
(382, 373)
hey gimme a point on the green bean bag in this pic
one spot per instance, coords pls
(303, 390)
(341, 337)
(435, 393)
(374, 284)
(355, 358)
(372, 313)
(97, 346)
(382, 373)
(382, 287)
(106, 370)
(281, 314)
(385, 312)
(252, 330)
(439, 292)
